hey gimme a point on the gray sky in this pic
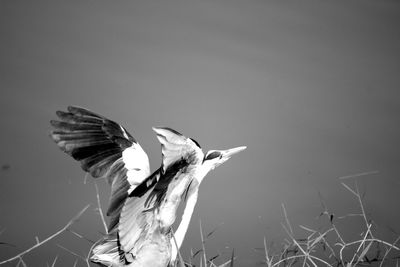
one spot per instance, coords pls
(310, 87)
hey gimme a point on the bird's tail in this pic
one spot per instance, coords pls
(105, 252)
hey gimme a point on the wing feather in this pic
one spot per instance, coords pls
(73, 118)
(105, 149)
(82, 112)
(72, 127)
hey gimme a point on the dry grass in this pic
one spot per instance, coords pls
(327, 247)
(330, 248)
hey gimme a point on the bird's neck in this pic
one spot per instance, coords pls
(202, 171)
(180, 233)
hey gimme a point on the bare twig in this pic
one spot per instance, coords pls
(363, 210)
(301, 256)
(268, 259)
(89, 252)
(388, 250)
(330, 215)
(358, 175)
(373, 240)
(100, 209)
(86, 177)
(22, 262)
(54, 262)
(363, 241)
(181, 262)
(202, 244)
(286, 218)
(232, 257)
(306, 254)
(80, 236)
(230, 261)
(71, 252)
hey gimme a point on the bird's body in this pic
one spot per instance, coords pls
(142, 205)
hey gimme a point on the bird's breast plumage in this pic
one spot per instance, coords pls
(173, 197)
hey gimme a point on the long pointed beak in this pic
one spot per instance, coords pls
(230, 152)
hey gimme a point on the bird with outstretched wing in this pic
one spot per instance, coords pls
(142, 206)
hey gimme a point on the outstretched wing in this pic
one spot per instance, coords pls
(178, 152)
(138, 214)
(105, 149)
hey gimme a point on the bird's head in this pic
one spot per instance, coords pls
(214, 158)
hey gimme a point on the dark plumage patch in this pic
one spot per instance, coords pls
(81, 153)
(116, 133)
(194, 141)
(146, 185)
(161, 187)
(171, 130)
(185, 193)
(83, 112)
(72, 118)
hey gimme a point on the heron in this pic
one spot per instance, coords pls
(142, 205)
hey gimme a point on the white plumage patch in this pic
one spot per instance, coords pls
(137, 164)
(124, 132)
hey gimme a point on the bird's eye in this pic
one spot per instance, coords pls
(213, 155)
